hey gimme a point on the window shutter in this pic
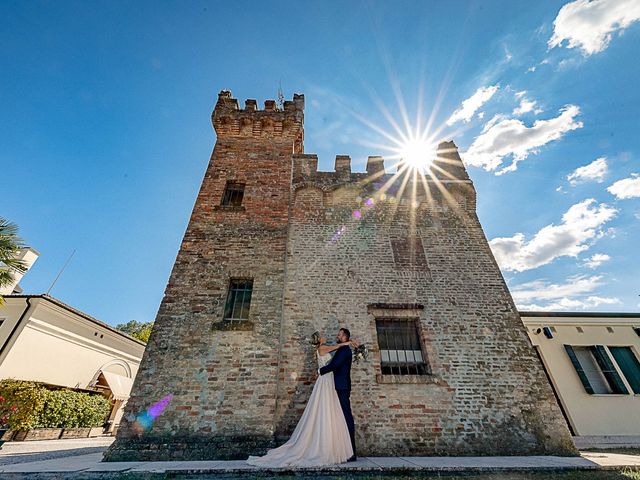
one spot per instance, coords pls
(579, 370)
(608, 369)
(628, 363)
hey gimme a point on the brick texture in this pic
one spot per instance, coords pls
(326, 250)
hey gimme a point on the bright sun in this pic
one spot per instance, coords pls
(418, 154)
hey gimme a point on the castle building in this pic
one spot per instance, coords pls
(275, 250)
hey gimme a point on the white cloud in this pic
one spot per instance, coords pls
(589, 25)
(627, 187)
(495, 119)
(571, 295)
(581, 224)
(569, 304)
(502, 138)
(526, 106)
(595, 171)
(472, 104)
(508, 56)
(535, 67)
(596, 260)
(542, 290)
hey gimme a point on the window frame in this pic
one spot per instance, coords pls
(232, 299)
(422, 368)
(634, 387)
(222, 322)
(612, 377)
(231, 189)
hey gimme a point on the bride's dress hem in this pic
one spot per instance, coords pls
(321, 437)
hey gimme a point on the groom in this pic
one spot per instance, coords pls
(340, 365)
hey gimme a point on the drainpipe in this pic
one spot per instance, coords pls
(15, 327)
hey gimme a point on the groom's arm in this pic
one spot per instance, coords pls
(338, 359)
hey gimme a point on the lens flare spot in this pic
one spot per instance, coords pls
(338, 234)
(144, 421)
(357, 214)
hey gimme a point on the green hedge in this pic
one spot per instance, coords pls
(40, 407)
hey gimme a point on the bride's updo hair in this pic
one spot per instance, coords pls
(315, 339)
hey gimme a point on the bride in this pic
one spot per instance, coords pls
(321, 436)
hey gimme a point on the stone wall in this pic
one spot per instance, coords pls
(326, 250)
(487, 393)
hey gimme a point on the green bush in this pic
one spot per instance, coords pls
(40, 407)
(29, 399)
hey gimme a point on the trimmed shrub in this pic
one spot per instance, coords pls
(29, 399)
(40, 407)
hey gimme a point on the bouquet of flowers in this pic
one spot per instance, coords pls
(360, 353)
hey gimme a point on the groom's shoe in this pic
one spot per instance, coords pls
(353, 458)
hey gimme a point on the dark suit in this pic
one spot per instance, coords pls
(340, 365)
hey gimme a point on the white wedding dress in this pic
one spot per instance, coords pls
(321, 436)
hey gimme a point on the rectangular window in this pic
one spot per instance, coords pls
(628, 363)
(595, 369)
(238, 299)
(233, 194)
(400, 347)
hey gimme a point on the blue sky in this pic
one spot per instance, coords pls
(106, 129)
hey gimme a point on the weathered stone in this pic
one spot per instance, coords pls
(327, 250)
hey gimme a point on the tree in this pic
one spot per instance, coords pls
(10, 243)
(139, 330)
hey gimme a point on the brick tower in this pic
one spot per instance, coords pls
(275, 250)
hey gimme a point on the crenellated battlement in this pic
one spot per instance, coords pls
(447, 167)
(447, 180)
(229, 120)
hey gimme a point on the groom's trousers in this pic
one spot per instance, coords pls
(345, 403)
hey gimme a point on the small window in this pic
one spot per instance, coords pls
(238, 300)
(579, 329)
(233, 194)
(400, 347)
(628, 363)
(596, 370)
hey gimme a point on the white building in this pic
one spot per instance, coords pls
(28, 256)
(592, 361)
(44, 340)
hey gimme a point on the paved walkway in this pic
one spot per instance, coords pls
(84, 457)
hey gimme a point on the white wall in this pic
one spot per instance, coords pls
(62, 348)
(606, 414)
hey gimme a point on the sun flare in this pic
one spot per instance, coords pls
(417, 154)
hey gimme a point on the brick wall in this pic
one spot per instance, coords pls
(326, 250)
